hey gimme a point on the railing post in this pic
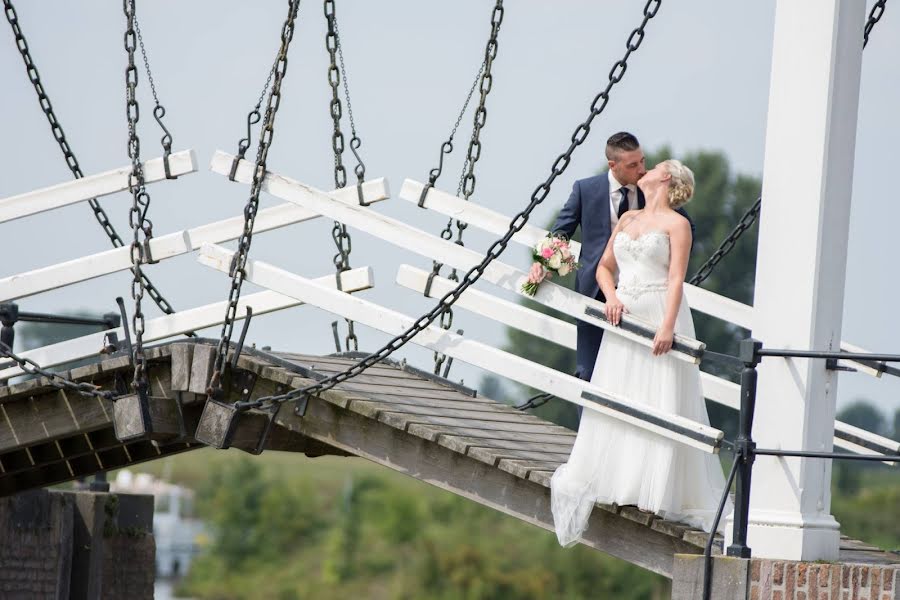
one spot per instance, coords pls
(9, 315)
(744, 448)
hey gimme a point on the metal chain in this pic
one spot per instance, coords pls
(265, 142)
(141, 227)
(71, 160)
(467, 177)
(254, 116)
(336, 73)
(159, 110)
(518, 222)
(752, 214)
(874, 16)
(727, 245)
(55, 380)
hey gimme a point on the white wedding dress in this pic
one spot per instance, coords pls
(616, 463)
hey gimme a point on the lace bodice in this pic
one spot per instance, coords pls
(643, 262)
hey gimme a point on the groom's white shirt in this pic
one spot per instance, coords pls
(615, 196)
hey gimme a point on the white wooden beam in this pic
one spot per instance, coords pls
(564, 386)
(181, 322)
(497, 223)
(92, 186)
(167, 246)
(564, 334)
(348, 211)
(474, 214)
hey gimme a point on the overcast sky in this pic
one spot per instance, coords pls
(699, 81)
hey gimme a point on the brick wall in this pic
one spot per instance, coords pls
(777, 580)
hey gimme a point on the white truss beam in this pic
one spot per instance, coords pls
(497, 223)
(92, 186)
(564, 334)
(167, 246)
(564, 386)
(348, 211)
(181, 322)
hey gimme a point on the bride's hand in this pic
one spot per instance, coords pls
(662, 341)
(614, 310)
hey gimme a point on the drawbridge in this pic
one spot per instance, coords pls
(135, 392)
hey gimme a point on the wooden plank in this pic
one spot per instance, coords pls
(182, 355)
(397, 232)
(478, 482)
(201, 368)
(92, 186)
(181, 322)
(497, 361)
(162, 247)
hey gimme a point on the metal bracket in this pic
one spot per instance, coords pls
(424, 193)
(148, 255)
(301, 406)
(362, 197)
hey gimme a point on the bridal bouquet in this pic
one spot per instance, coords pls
(554, 256)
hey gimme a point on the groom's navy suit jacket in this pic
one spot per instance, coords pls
(588, 207)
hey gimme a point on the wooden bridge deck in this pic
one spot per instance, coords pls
(404, 419)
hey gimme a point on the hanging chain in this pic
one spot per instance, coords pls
(727, 245)
(516, 224)
(239, 261)
(467, 178)
(749, 217)
(71, 160)
(141, 226)
(159, 110)
(336, 73)
(55, 380)
(874, 16)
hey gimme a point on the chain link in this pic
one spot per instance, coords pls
(55, 380)
(141, 226)
(337, 74)
(874, 16)
(496, 249)
(159, 111)
(265, 142)
(467, 177)
(727, 245)
(71, 161)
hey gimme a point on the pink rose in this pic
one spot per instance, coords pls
(546, 252)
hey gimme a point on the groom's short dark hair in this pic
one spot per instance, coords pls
(620, 142)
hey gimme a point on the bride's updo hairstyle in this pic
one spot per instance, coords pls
(681, 186)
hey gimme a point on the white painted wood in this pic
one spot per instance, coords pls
(92, 186)
(497, 223)
(181, 322)
(564, 334)
(167, 246)
(469, 212)
(800, 269)
(348, 211)
(475, 353)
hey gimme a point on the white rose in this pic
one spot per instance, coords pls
(565, 269)
(555, 261)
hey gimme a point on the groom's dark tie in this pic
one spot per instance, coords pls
(623, 204)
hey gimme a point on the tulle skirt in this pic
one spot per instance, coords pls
(616, 463)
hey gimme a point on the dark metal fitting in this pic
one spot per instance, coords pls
(166, 166)
(148, 256)
(424, 194)
(434, 271)
(337, 337)
(126, 329)
(110, 343)
(301, 405)
(9, 313)
(234, 168)
(240, 344)
(362, 196)
(749, 351)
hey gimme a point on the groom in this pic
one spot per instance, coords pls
(596, 203)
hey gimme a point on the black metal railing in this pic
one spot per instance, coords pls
(10, 315)
(745, 450)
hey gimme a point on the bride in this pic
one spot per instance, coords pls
(613, 462)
